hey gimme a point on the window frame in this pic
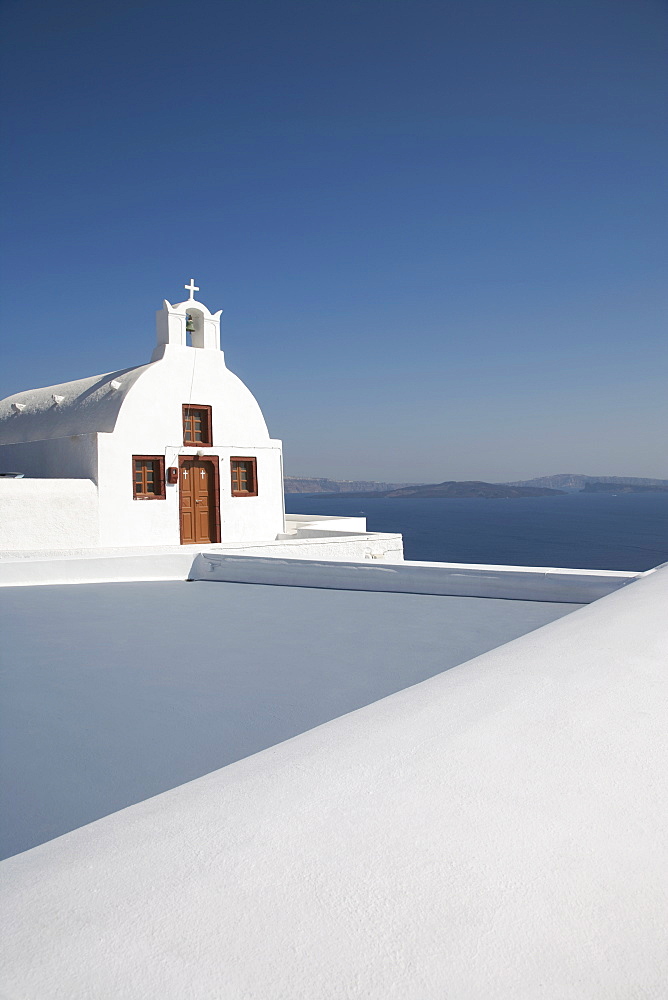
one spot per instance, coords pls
(161, 493)
(189, 407)
(253, 461)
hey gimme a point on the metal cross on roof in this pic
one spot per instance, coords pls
(192, 288)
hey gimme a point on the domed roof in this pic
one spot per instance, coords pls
(81, 407)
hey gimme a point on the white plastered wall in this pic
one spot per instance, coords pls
(53, 513)
(150, 423)
(72, 457)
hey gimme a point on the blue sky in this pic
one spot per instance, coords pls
(437, 229)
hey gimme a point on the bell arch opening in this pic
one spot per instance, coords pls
(194, 328)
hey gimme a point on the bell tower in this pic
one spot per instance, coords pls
(186, 325)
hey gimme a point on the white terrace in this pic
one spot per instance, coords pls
(313, 781)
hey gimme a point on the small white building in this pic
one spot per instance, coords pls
(172, 452)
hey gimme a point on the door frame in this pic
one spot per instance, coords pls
(214, 462)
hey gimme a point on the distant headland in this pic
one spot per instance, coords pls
(623, 488)
(491, 491)
(578, 481)
(541, 487)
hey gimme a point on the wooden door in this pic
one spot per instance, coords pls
(198, 500)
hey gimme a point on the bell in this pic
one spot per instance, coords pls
(190, 326)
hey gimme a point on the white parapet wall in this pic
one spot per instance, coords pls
(324, 522)
(21, 568)
(331, 545)
(48, 513)
(517, 583)
(334, 562)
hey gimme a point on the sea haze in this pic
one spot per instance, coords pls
(585, 531)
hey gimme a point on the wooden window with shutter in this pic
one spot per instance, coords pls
(244, 477)
(148, 477)
(197, 425)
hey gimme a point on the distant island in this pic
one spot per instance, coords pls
(489, 491)
(578, 481)
(620, 487)
(542, 486)
(306, 484)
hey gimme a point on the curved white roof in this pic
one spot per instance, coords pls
(84, 406)
(92, 405)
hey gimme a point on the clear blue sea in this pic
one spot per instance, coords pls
(585, 530)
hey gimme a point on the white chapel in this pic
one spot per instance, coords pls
(172, 452)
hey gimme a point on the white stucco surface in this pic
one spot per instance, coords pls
(74, 457)
(130, 700)
(332, 546)
(35, 513)
(151, 423)
(325, 522)
(86, 405)
(496, 831)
